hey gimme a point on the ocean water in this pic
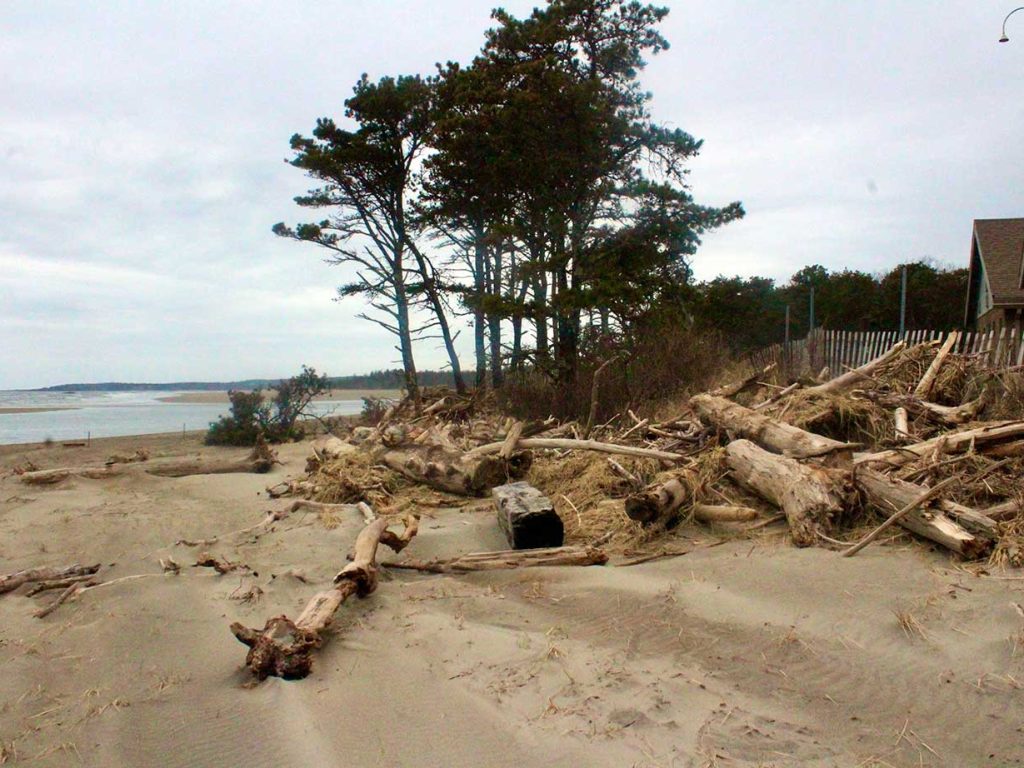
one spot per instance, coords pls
(112, 414)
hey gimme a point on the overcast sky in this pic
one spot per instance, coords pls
(141, 149)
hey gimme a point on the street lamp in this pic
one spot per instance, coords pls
(1004, 38)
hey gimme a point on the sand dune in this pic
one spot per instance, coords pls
(747, 654)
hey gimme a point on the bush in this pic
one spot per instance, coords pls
(252, 416)
(374, 409)
(659, 362)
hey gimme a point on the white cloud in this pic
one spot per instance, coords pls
(141, 148)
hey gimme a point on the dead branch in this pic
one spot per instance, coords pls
(283, 647)
(507, 559)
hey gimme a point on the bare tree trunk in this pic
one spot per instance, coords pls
(405, 338)
(426, 270)
(479, 330)
(494, 319)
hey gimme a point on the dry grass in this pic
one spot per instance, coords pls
(911, 627)
(355, 477)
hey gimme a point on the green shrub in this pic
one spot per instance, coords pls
(252, 416)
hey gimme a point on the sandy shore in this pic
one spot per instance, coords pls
(37, 410)
(751, 653)
(335, 394)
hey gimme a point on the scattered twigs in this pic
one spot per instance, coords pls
(507, 559)
(67, 594)
(595, 392)
(12, 581)
(44, 586)
(634, 482)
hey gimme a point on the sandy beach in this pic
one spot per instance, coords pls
(749, 653)
(334, 394)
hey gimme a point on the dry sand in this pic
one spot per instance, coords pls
(752, 653)
(334, 394)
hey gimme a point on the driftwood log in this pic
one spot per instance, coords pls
(951, 442)
(527, 517)
(723, 513)
(731, 390)
(11, 581)
(580, 445)
(507, 559)
(659, 503)
(850, 379)
(888, 495)
(466, 474)
(284, 648)
(259, 460)
(923, 389)
(776, 436)
(812, 498)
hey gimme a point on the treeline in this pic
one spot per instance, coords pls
(750, 313)
(389, 379)
(529, 191)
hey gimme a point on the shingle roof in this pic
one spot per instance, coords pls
(1001, 247)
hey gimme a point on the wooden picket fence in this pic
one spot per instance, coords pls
(841, 350)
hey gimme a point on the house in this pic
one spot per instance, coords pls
(995, 285)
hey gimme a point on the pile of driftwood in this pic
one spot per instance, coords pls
(913, 437)
(882, 437)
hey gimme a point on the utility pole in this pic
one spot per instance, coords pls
(787, 326)
(903, 301)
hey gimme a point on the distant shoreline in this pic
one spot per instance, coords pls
(42, 409)
(221, 396)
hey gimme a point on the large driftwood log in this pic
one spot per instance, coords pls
(888, 494)
(527, 517)
(852, 378)
(259, 460)
(951, 442)
(467, 474)
(283, 648)
(507, 559)
(11, 581)
(580, 445)
(811, 497)
(774, 435)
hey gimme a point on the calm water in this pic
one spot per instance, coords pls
(112, 414)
